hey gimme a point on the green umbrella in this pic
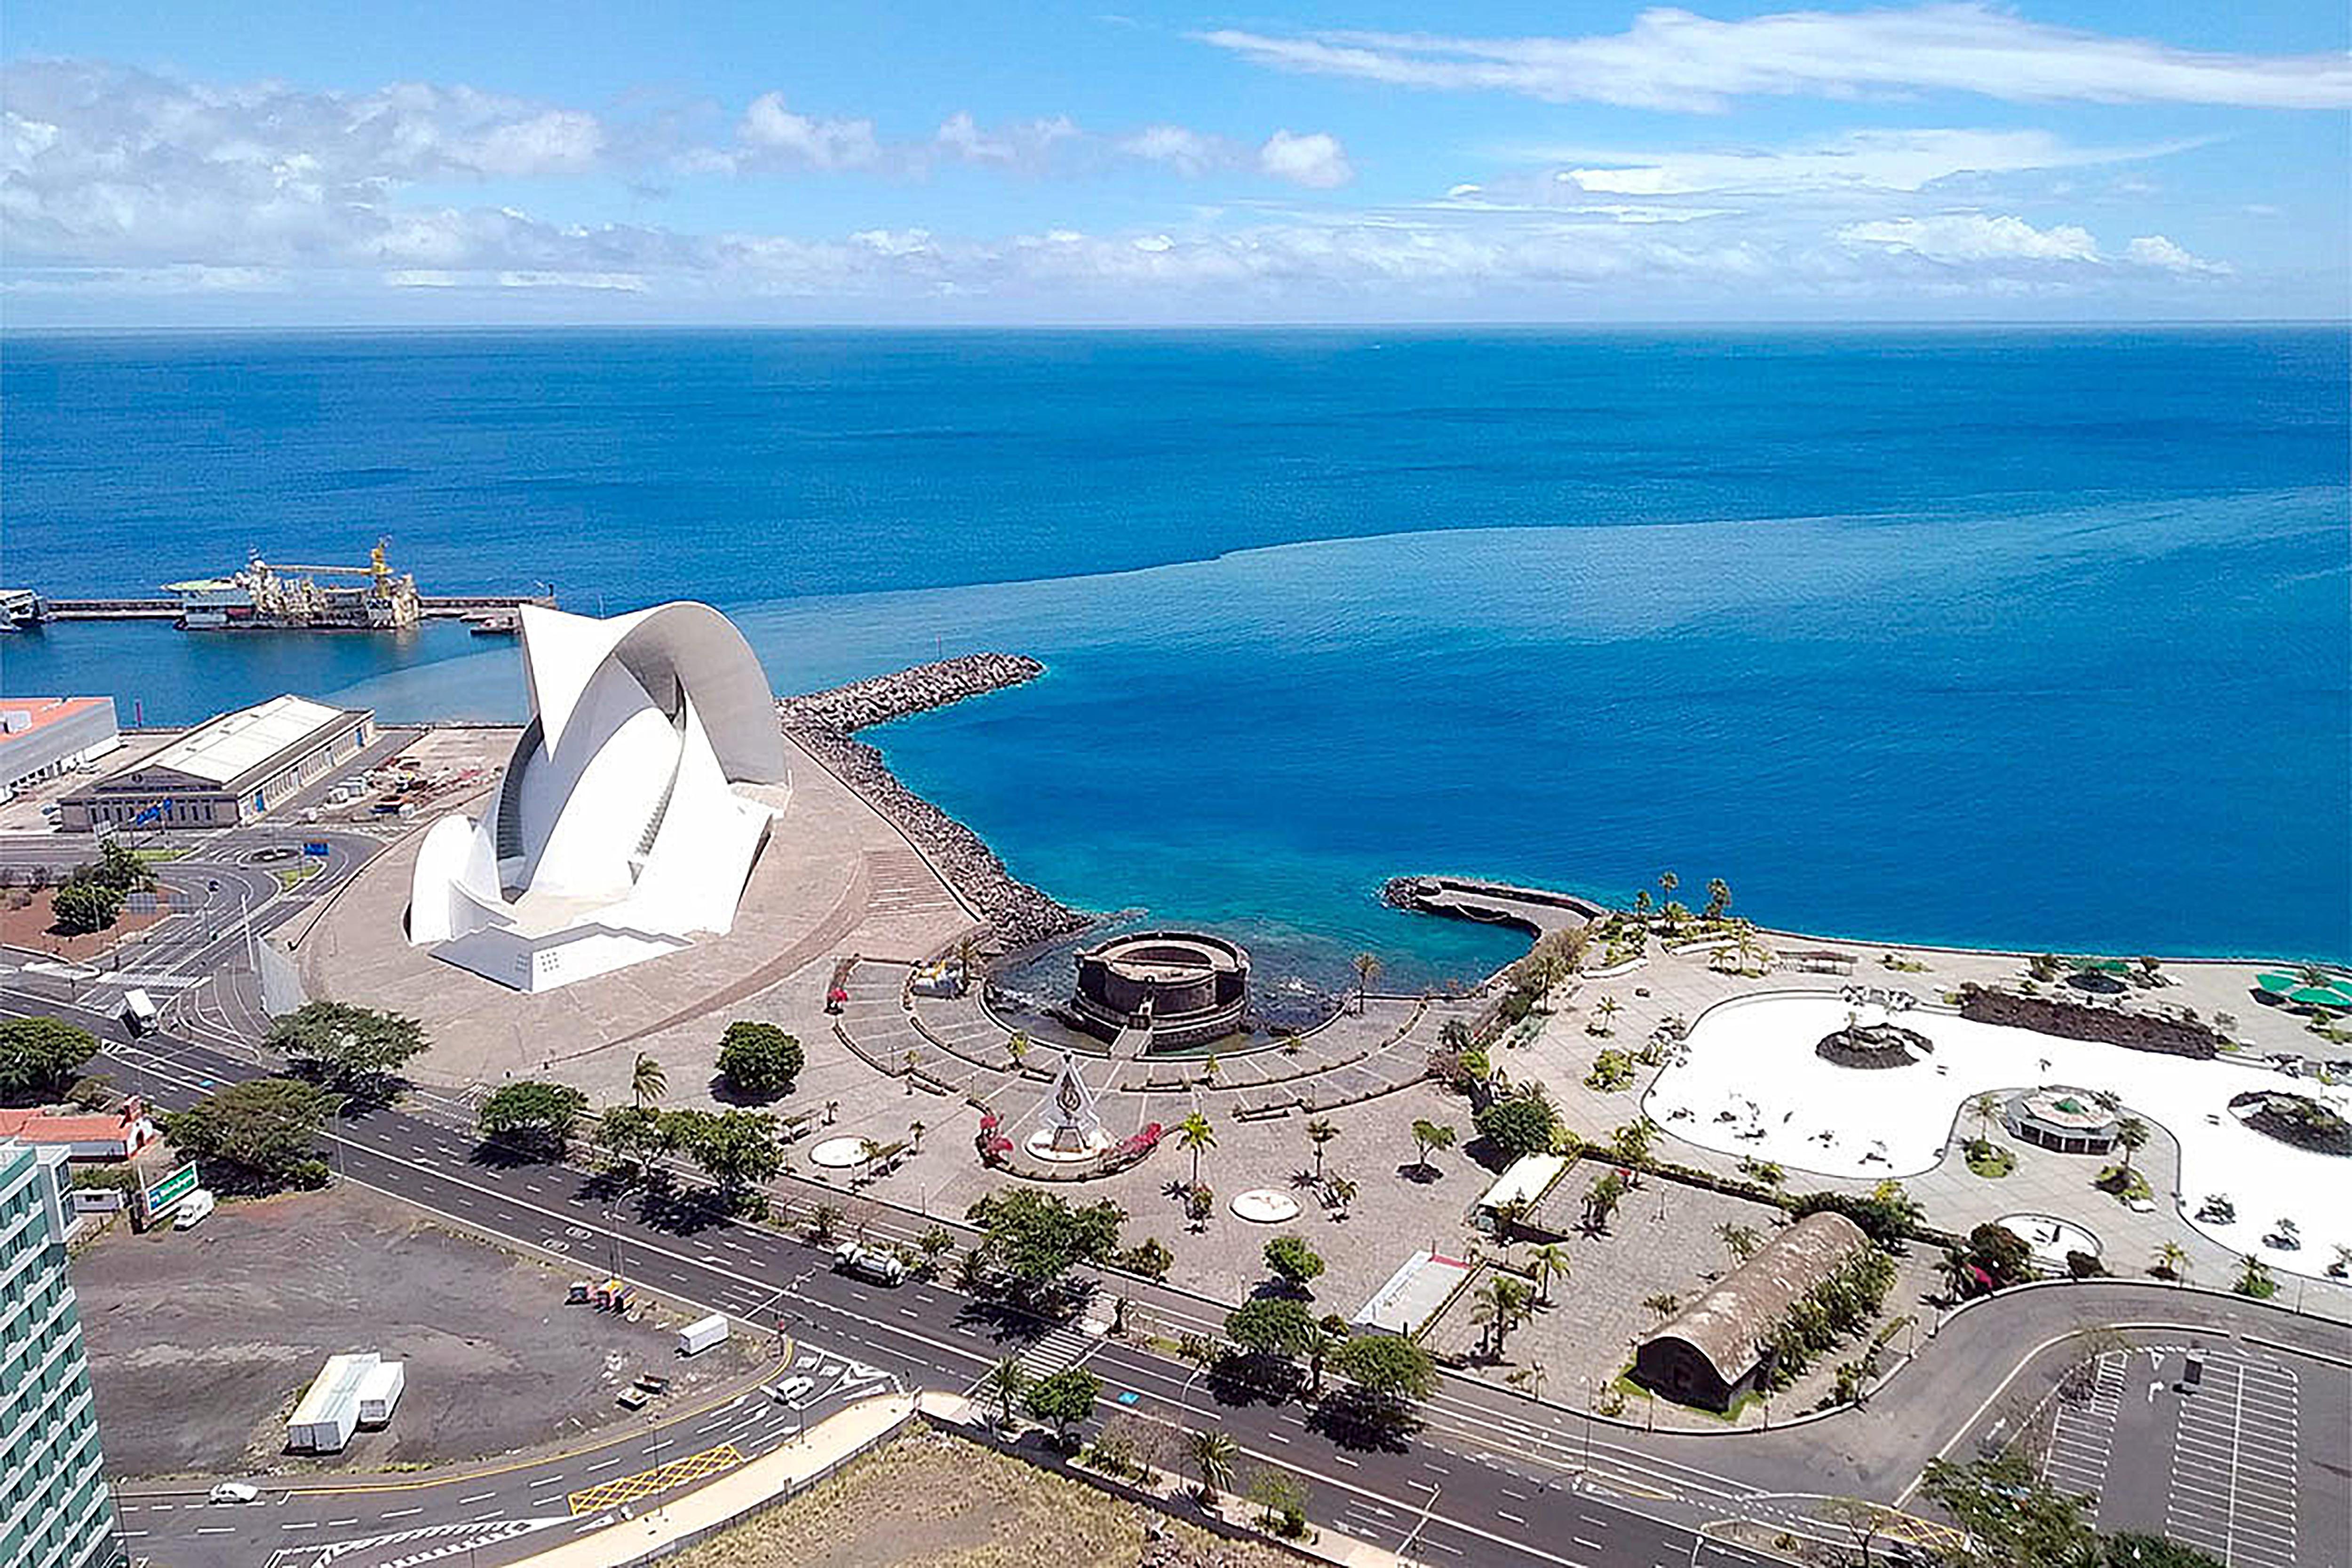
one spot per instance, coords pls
(2319, 996)
(2278, 984)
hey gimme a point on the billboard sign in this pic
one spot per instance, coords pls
(156, 1201)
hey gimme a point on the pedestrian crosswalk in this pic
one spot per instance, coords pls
(1060, 1348)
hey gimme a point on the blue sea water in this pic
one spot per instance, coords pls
(2037, 638)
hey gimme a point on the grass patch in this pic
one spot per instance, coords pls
(2123, 1185)
(1989, 1159)
(292, 876)
(156, 856)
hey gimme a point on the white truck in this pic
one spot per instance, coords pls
(138, 1014)
(878, 1264)
(701, 1334)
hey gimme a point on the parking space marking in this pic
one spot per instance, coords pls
(2232, 1494)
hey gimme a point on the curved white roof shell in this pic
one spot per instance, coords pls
(618, 830)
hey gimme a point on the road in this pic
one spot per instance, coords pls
(1490, 1477)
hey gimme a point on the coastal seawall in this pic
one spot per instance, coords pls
(825, 723)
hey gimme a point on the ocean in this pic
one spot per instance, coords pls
(2033, 638)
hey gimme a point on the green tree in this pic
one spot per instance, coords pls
(1429, 1136)
(1633, 1141)
(2255, 1280)
(1006, 1382)
(1601, 1199)
(357, 1050)
(1194, 1133)
(1328, 1334)
(40, 1055)
(1281, 1502)
(1294, 1262)
(936, 1243)
(631, 1139)
(1718, 898)
(647, 1082)
(1550, 1262)
(758, 1059)
(2010, 1516)
(539, 1116)
(1368, 967)
(739, 1150)
(1212, 1455)
(1521, 1123)
(1985, 1107)
(267, 1127)
(1150, 1258)
(1320, 1131)
(2131, 1137)
(1278, 1327)
(1497, 1306)
(1036, 1239)
(1665, 1305)
(1604, 1011)
(1063, 1399)
(1387, 1368)
(80, 908)
(1739, 1241)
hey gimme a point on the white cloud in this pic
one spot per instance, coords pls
(773, 130)
(1960, 237)
(1674, 59)
(1185, 151)
(2155, 250)
(1904, 160)
(1315, 160)
(621, 282)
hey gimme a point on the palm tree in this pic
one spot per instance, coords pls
(1368, 969)
(1006, 1382)
(1664, 1304)
(915, 1131)
(1019, 1046)
(1607, 1008)
(1986, 1108)
(1668, 882)
(647, 1082)
(1322, 1338)
(1195, 1134)
(2172, 1260)
(1320, 1131)
(1498, 1304)
(1550, 1262)
(2131, 1135)
(1212, 1455)
(1738, 1240)
(1341, 1191)
(1428, 1135)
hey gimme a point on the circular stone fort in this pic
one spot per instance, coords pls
(1184, 988)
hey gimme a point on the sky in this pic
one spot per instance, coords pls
(273, 163)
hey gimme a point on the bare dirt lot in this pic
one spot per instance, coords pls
(929, 1500)
(201, 1340)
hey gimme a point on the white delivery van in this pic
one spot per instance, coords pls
(701, 1334)
(193, 1210)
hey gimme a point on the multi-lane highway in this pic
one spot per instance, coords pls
(1488, 1477)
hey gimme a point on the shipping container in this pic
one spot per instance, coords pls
(701, 1334)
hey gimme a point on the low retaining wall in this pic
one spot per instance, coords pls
(2103, 1026)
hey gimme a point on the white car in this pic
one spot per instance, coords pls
(233, 1492)
(193, 1209)
(792, 1389)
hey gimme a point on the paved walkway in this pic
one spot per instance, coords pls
(821, 1450)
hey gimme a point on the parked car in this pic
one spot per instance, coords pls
(233, 1492)
(193, 1209)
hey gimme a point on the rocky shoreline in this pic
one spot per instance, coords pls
(824, 723)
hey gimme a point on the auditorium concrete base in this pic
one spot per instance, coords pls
(834, 878)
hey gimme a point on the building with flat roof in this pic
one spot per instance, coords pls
(227, 771)
(41, 737)
(55, 1512)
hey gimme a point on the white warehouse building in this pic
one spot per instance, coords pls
(631, 813)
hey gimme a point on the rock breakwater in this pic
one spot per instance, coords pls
(824, 724)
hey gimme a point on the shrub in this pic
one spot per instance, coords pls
(758, 1059)
(1519, 1124)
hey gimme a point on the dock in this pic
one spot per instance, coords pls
(431, 607)
(1539, 911)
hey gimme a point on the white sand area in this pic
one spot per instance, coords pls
(1754, 1058)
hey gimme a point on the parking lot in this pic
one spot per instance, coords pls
(223, 1326)
(2247, 1461)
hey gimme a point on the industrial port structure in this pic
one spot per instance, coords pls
(273, 596)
